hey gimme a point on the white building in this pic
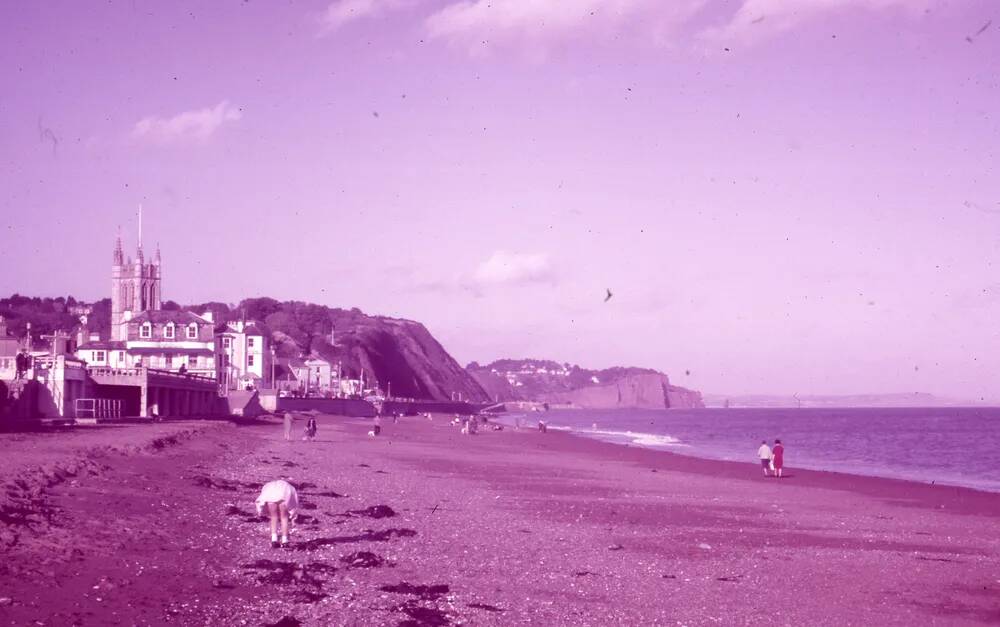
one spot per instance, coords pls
(178, 341)
(243, 357)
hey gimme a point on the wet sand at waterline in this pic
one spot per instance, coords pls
(153, 524)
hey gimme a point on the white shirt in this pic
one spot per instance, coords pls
(279, 491)
(764, 452)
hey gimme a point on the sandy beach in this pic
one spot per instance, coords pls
(153, 524)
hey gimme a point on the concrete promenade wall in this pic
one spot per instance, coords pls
(435, 407)
(336, 406)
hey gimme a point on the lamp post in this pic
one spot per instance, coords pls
(273, 358)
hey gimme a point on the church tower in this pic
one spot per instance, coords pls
(135, 286)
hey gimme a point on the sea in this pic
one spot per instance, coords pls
(955, 445)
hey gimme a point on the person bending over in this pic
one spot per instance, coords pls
(282, 502)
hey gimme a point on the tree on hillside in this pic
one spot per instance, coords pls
(220, 311)
(259, 308)
(99, 319)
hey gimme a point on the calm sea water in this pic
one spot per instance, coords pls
(958, 446)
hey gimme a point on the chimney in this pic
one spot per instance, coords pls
(209, 316)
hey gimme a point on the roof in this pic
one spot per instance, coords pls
(163, 317)
(101, 346)
(170, 351)
(250, 329)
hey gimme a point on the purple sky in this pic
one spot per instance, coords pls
(784, 196)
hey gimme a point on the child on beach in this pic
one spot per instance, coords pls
(310, 429)
(778, 457)
(281, 501)
(288, 425)
(764, 454)
(378, 425)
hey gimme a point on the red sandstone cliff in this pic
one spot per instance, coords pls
(550, 382)
(640, 391)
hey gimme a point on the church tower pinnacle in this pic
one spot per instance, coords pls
(135, 287)
(118, 258)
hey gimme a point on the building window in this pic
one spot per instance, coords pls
(250, 360)
(168, 361)
(146, 330)
(192, 331)
(168, 331)
(249, 342)
(99, 356)
(121, 357)
(227, 342)
(192, 361)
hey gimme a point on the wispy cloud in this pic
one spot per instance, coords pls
(759, 19)
(341, 12)
(501, 269)
(537, 24)
(196, 125)
(506, 268)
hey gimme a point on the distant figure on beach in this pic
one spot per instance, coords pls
(778, 457)
(764, 453)
(378, 425)
(282, 502)
(288, 425)
(310, 429)
(542, 427)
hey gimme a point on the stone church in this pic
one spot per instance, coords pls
(135, 287)
(142, 332)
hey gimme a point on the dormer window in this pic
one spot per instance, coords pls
(192, 333)
(249, 342)
(169, 331)
(146, 330)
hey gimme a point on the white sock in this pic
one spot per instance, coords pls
(274, 537)
(284, 539)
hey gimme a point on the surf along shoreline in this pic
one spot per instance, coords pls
(800, 459)
(504, 527)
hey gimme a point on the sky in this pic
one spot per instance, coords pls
(783, 197)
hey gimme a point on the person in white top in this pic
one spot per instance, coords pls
(282, 501)
(764, 453)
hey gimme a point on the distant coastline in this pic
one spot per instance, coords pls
(902, 399)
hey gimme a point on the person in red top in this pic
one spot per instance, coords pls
(778, 457)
